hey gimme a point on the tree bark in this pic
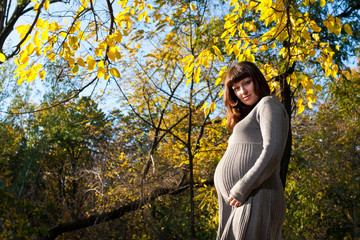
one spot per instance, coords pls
(286, 97)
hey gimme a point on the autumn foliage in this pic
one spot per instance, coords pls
(115, 123)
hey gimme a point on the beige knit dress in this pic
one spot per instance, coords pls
(249, 171)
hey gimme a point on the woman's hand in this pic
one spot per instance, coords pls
(234, 202)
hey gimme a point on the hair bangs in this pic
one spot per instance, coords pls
(236, 76)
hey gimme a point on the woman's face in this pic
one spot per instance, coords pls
(245, 91)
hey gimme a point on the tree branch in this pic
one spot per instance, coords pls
(349, 10)
(117, 213)
(6, 30)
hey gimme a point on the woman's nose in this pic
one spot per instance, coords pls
(243, 90)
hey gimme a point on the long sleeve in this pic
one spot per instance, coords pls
(273, 121)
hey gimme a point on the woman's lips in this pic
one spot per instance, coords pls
(246, 97)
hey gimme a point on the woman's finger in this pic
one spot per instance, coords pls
(234, 202)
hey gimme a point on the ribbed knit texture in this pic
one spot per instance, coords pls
(249, 171)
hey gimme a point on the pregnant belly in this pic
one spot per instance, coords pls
(236, 162)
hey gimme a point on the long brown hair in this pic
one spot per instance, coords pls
(236, 110)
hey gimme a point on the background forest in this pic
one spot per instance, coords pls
(112, 121)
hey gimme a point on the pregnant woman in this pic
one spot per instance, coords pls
(251, 196)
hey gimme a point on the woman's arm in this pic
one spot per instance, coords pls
(274, 126)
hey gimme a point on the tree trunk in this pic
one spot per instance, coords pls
(286, 97)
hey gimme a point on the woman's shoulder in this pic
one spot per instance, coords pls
(270, 102)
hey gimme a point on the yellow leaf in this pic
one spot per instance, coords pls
(20, 67)
(335, 71)
(51, 57)
(192, 6)
(187, 58)
(232, 2)
(218, 52)
(98, 52)
(221, 93)
(63, 34)
(117, 54)
(81, 62)
(71, 61)
(223, 122)
(30, 48)
(115, 72)
(16, 61)
(2, 57)
(45, 35)
(322, 3)
(207, 111)
(20, 81)
(73, 40)
(24, 58)
(305, 34)
(312, 52)
(36, 7)
(81, 35)
(328, 25)
(314, 27)
(75, 69)
(309, 91)
(212, 106)
(224, 34)
(54, 26)
(236, 50)
(337, 27)
(205, 104)
(111, 54)
(264, 48)
(40, 23)
(91, 63)
(218, 81)
(22, 29)
(42, 74)
(301, 108)
(157, 16)
(236, 8)
(348, 29)
(118, 36)
(318, 87)
(101, 64)
(100, 72)
(46, 5)
(189, 70)
(197, 74)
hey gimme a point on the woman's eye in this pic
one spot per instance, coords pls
(247, 82)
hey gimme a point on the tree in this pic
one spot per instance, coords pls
(290, 34)
(53, 168)
(323, 186)
(162, 46)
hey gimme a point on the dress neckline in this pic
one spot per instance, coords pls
(252, 110)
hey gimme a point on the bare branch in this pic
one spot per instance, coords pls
(119, 212)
